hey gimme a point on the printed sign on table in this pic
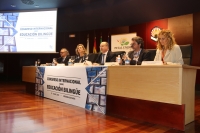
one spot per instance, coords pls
(81, 86)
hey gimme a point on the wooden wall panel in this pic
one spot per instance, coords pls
(170, 115)
(182, 27)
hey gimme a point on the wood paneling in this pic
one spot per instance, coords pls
(182, 28)
(173, 84)
(188, 85)
(154, 112)
(153, 83)
(28, 74)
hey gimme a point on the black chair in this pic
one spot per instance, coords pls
(186, 53)
(92, 57)
(153, 53)
(121, 53)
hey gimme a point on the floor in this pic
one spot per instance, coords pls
(24, 113)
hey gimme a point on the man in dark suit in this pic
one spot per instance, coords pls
(64, 56)
(105, 55)
(138, 54)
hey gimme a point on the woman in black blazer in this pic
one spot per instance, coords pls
(81, 55)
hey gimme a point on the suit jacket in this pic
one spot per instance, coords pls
(145, 55)
(173, 56)
(81, 59)
(111, 57)
(60, 60)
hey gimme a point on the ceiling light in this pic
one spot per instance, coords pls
(37, 6)
(71, 35)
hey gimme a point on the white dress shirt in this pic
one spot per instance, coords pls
(105, 55)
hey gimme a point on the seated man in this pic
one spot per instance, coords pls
(105, 55)
(138, 54)
(64, 56)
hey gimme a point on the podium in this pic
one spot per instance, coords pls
(158, 94)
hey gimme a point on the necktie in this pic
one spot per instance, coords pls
(102, 59)
(63, 60)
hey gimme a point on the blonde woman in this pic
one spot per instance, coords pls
(81, 54)
(167, 49)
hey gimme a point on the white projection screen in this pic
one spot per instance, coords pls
(28, 31)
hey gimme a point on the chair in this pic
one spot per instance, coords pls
(121, 53)
(92, 57)
(186, 53)
(153, 53)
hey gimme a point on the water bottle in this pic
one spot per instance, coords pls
(127, 61)
(119, 59)
(36, 64)
(70, 63)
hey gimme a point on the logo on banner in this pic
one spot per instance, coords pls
(154, 33)
(123, 41)
(124, 44)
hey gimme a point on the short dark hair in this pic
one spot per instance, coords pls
(139, 40)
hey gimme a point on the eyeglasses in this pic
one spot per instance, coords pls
(62, 52)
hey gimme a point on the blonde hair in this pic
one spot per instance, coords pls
(170, 37)
(76, 50)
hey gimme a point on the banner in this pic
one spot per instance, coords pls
(80, 86)
(122, 42)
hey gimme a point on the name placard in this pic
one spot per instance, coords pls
(152, 63)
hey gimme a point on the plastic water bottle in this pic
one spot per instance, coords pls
(119, 59)
(36, 64)
(127, 61)
(70, 63)
(52, 64)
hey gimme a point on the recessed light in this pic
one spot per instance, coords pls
(71, 35)
(36, 6)
(13, 5)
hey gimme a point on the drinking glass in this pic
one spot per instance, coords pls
(38, 61)
(136, 56)
(72, 58)
(54, 60)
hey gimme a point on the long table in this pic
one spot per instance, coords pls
(158, 94)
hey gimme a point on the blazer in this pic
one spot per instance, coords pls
(60, 60)
(173, 56)
(145, 55)
(111, 57)
(81, 59)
